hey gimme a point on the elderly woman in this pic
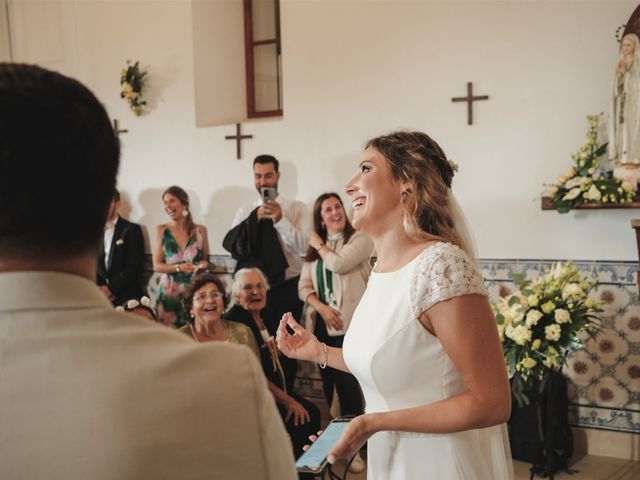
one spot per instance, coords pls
(249, 294)
(203, 302)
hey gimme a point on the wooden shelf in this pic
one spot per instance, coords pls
(547, 205)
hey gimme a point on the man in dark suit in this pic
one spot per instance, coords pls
(121, 257)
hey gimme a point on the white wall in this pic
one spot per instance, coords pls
(355, 69)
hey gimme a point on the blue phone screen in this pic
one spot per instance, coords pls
(318, 451)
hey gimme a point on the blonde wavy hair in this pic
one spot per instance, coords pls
(416, 159)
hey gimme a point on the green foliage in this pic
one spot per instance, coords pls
(586, 181)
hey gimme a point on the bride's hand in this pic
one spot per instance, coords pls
(352, 439)
(302, 345)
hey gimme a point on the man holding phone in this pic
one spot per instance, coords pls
(272, 234)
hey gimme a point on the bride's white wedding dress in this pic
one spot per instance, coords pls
(399, 364)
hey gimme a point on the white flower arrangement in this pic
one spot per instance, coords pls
(133, 304)
(542, 322)
(132, 79)
(586, 181)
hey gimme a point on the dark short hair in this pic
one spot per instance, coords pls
(116, 195)
(264, 159)
(196, 284)
(57, 148)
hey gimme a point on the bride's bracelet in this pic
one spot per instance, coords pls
(325, 356)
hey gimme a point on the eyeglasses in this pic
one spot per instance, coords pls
(201, 297)
(249, 287)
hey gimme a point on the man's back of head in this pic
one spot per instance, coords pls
(58, 162)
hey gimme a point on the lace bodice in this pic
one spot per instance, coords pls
(443, 271)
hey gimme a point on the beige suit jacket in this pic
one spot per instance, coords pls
(89, 393)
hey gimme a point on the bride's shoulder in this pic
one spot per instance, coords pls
(439, 249)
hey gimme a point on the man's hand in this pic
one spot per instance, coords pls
(264, 212)
(276, 210)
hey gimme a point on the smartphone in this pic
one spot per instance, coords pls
(315, 459)
(268, 193)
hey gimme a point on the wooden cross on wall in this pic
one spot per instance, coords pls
(470, 99)
(116, 127)
(238, 138)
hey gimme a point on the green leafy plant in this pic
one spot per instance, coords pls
(543, 322)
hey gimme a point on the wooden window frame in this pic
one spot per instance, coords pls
(249, 44)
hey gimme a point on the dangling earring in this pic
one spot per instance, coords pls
(403, 196)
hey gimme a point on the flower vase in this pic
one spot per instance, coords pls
(542, 425)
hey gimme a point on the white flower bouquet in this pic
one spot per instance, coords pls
(586, 181)
(543, 322)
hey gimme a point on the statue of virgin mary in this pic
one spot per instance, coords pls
(624, 119)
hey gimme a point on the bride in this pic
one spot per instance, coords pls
(423, 342)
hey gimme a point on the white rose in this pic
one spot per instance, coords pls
(533, 300)
(572, 291)
(520, 334)
(515, 313)
(529, 362)
(593, 194)
(562, 316)
(629, 187)
(552, 332)
(532, 317)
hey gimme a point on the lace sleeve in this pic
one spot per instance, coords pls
(443, 271)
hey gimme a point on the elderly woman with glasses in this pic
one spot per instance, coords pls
(204, 301)
(249, 296)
